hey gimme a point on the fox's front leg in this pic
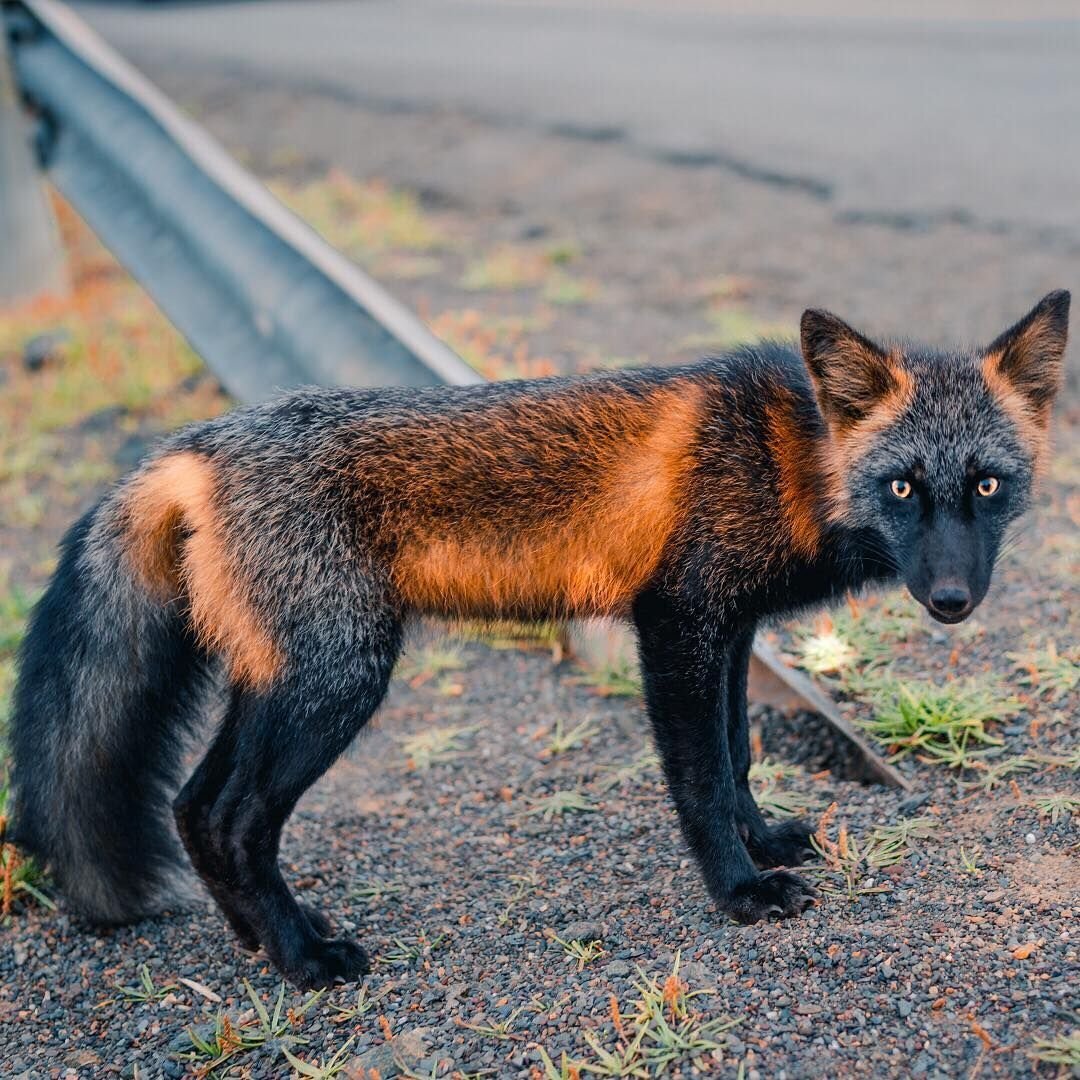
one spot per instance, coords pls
(685, 670)
(786, 844)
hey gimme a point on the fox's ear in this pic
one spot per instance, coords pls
(1030, 356)
(851, 374)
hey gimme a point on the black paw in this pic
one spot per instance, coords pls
(774, 894)
(787, 844)
(329, 963)
(317, 920)
(246, 937)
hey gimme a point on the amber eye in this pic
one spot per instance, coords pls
(901, 488)
(988, 485)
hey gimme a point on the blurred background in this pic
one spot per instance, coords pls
(647, 180)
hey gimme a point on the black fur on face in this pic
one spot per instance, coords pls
(942, 482)
(946, 443)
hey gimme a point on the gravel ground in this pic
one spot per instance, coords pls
(951, 962)
(925, 978)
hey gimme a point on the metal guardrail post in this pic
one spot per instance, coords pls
(31, 259)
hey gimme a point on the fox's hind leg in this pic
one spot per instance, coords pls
(685, 669)
(786, 844)
(193, 808)
(273, 745)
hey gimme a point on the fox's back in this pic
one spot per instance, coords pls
(539, 498)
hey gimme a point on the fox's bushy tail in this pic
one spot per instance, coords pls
(109, 680)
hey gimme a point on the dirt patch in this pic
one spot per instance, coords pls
(1049, 876)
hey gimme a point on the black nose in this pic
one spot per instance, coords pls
(951, 601)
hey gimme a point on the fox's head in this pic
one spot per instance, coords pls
(936, 452)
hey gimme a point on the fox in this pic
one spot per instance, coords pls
(271, 559)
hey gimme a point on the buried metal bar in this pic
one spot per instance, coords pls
(872, 767)
(265, 301)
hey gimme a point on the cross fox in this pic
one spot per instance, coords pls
(274, 554)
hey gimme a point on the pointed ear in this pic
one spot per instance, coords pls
(851, 374)
(1030, 356)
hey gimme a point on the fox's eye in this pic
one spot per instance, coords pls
(988, 485)
(900, 488)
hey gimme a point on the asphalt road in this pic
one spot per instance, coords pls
(937, 115)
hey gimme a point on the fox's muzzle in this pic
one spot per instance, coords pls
(951, 571)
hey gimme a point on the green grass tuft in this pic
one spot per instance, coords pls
(1046, 672)
(559, 803)
(434, 746)
(944, 725)
(661, 1033)
(1064, 1050)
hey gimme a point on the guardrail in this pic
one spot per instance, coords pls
(31, 258)
(261, 297)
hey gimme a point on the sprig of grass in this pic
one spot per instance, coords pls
(408, 950)
(659, 1032)
(765, 777)
(20, 876)
(767, 771)
(504, 1029)
(145, 990)
(1056, 806)
(361, 1007)
(940, 725)
(969, 862)
(566, 1070)
(1046, 672)
(858, 860)
(852, 643)
(15, 607)
(558, 803)
(434, 746)
(562, 740)
(231, 1038)
(375, 890)
(508, 634)
(631, 772)
(998, 772)
(424, 664)
(1070, 760)
(523, 883)
(362, 218)
(826, 653)
(319, 1070)
(612, 680)
(1064, 1050)
(582, 951)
